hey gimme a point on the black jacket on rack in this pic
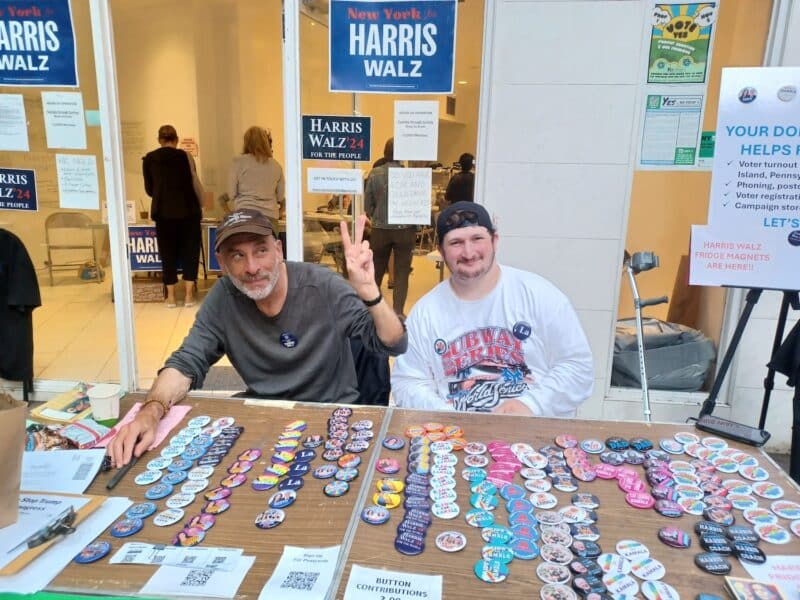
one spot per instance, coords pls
(19, 296)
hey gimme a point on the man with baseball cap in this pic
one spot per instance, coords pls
(491, 338)
(285, 326)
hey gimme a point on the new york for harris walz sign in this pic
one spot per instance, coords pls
(37, 44)
(393, 47)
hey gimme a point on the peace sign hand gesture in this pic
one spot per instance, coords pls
(360, 269)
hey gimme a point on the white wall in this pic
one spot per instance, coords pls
(561, 137)
(560, 131)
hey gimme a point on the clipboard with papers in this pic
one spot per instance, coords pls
(30, 537)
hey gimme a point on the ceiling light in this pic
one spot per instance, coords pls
(463, 82)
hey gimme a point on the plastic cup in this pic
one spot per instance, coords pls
(104, 398)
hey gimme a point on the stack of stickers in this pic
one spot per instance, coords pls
(289, 462)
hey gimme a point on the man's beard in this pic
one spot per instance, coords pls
(261, 293)
(462, 274)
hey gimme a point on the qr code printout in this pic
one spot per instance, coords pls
(300, 580)
(197, 577)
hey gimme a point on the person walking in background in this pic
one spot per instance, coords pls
(461, 187)
(176, 210)
(256, 178)
(387, 238)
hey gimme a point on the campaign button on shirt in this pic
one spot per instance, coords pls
(126, 527)
(93, 552)
(158, 491)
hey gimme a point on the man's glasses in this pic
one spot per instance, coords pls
(462, 218)
(61, 525)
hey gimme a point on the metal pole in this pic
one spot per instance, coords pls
(640, 342)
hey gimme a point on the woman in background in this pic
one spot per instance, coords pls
(176, 211)
(256, 178)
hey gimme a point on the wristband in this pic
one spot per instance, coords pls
(373, 302)
(164, 405)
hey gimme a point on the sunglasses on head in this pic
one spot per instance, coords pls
(462, 218)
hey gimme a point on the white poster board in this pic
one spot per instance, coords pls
(64, 120)
(753, 234)
(416, 130)
(13, 124)
(410, 196)
(78, 185)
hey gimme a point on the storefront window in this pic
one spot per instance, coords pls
(51, 132)
(684, 339)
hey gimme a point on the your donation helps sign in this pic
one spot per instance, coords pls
(392, 46)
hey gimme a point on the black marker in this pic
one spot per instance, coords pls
(121, 473)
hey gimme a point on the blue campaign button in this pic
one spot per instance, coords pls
(521, 518)
(291, 483)
(158, 491)
(192, 453)
(141, 510)
(512, 491)
(288, 339)
(93, 552)
(180, 464)
(524, 549)
(305, 455)
(299, 469)
(174, 477)
(521, 330)
(203, 440)
(519, 505)
(126, 527)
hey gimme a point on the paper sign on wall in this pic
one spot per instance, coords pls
(77, 181)
(13, 126)
(680, 41)
(416, 130)
(335, 181)
(410, 196)
(671, 130)
(63, 120)
(753, 233)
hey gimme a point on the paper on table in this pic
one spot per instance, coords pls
(35, 511)
(62, 471)
(174, 416)
(310, 566)
(367, 584)
(41, 571)
(197, 557)
(783, 571)
(208, 583)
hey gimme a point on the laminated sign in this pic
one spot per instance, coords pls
(393, 47)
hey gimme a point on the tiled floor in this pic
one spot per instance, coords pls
(75, 335)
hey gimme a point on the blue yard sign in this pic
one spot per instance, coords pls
(213, 263)
(18, 189)
(336, 138)
(392, 46)
(37, 44)
(143, 248)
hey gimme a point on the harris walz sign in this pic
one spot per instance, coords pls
(334, 137)
(37, 44)
(394, 46)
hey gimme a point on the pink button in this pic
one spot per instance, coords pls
(640, 499)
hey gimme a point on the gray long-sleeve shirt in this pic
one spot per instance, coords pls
(302, 353)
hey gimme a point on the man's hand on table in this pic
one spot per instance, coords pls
(136, 437)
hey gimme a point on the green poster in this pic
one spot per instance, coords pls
(679, 42)
(707, 139)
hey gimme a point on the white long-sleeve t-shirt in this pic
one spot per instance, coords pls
(522, 341)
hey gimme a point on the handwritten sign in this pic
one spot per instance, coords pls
(77, 181)
(410, 196)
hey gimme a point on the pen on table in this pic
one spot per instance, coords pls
(121, 473)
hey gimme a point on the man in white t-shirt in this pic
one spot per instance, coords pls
(491, 338)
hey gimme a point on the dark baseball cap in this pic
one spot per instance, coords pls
(245, 220)
(462, 214)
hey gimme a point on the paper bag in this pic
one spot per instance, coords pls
(12, 445)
